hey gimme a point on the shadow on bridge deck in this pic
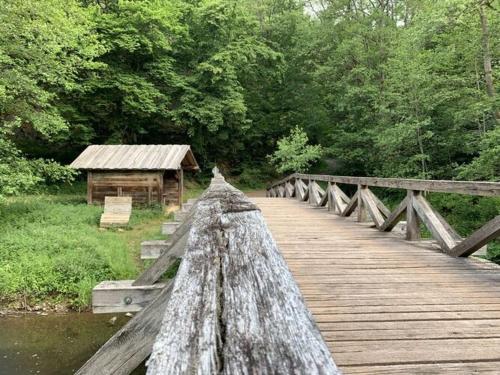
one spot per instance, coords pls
(386, 305)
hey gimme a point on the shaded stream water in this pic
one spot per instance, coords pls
(53, 344)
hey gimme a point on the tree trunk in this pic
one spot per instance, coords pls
(488, 71)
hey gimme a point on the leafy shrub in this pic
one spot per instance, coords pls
(294, 154)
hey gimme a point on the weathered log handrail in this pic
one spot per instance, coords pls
(305, 188)
(234, 307)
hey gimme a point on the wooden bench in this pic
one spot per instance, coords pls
(117, 211)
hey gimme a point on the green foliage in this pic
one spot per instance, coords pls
(294, 154)
(44, 45)
(389, 88)
(487, 165)
(51, 247)
(17, 174)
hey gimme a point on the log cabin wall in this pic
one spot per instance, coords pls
(145, 187)
(164, 187)
(172, 187)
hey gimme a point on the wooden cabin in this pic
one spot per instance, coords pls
(148, 173)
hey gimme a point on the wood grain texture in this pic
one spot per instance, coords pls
(372, 207)
(136, 157)
(440, 230)
(478, 239)
(380, 205)
(395, 216)
(339, 199)
(117, 211)
(385, 305)
(351, 206)
(412, 218)
(235, 308)
(132, 344)
(122, 296)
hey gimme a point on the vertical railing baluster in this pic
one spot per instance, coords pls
(412, 220)
(362, 212)
(329, 195)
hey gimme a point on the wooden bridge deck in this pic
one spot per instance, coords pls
(386, 305)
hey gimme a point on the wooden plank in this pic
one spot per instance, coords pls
(225, 314)
(169, 227)
(161, 199)
(163, 263)
(449, 368)
(341, 194)
(330, 204)
(324, 197)
(320, 193)
(351, 206)
(121, 296)
(118, 205)
(434, 223)
(90, 187)
(416, 351)
(302, 189)
(362, 211)
(181, 186)
(281, 191)
(117, 211)
(482, 188)
(372, 207)
(299, 191)
(395, 216)
(339, 199)
(380, 205)
(412, 218)
(132, 344)
(478, 239)
(382, 302)
(290, 190)
(314, 193)
(154, 248)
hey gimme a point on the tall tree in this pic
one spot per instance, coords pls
(44, 47)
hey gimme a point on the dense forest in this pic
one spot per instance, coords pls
(400, 88)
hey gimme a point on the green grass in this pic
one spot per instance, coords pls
(51, 247)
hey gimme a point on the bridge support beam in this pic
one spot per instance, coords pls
(412, 220)
(363, 215)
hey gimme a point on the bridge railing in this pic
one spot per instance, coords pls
(233, 308)
(305, 187)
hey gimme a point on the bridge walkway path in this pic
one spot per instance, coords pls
(386, 305)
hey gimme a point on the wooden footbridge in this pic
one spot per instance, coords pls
(320, 283)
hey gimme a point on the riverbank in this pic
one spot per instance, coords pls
(52, 251)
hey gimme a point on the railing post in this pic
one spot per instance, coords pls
(329, 195)
(362, 212)
(309, 190)
(412, 220)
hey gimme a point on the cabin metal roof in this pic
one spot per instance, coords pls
(136, 157)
